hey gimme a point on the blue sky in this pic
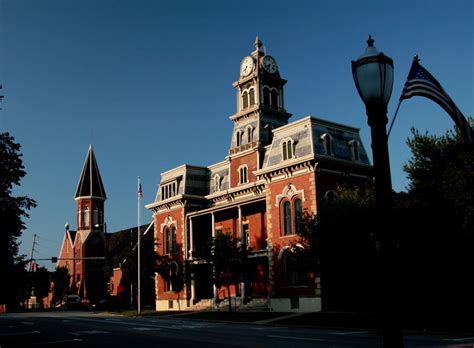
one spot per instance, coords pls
(149, 84)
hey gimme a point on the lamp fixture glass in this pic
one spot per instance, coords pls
(373, 76)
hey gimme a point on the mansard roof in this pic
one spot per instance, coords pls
(90, 183)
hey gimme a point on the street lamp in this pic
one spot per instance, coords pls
(373, 77)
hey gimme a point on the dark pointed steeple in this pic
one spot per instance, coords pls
(90, 182)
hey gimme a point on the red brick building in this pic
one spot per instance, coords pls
(273, 172)
(80, 247)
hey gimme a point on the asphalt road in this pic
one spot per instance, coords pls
(86, 329)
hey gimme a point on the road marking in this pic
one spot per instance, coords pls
(144, 328)
(65, 341)
(350, 333)
(89, 332)
(27, 323)
(298, 338)
(21, 333)
(460, 339)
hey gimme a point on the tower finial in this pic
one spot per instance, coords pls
(258, 43)
(370, 41)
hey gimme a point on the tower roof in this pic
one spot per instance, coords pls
(90, 183)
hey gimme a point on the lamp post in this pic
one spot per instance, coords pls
(373, 77)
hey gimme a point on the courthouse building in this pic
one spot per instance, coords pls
(274, 170)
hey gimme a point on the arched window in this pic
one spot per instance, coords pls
(173, 240)
(298, 213)
(245, 100)
(95, 217)
(249, 134)
(86, 218)
(252, 96)
(266, 96)
(287, 149)
(238, 138)
(287, 219)
(354, 145)
(217, 183)
(269, 129)
(327, 139)
(274, 99)
(166, 238)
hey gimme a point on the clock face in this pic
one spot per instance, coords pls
(269, 64)
(246, 66)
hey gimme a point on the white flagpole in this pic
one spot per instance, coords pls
(139, 237)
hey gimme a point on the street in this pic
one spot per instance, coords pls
(87, 329)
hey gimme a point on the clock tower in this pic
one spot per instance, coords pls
(260, 108)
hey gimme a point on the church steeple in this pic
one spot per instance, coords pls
(90, 183)
(90, 196)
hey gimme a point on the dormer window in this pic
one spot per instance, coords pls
(355, 150)
(269, 129)
(243, 174)
(327, 143)
(217, 183)
(288, 149)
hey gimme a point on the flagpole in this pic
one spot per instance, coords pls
(394, 117)
(139, 237)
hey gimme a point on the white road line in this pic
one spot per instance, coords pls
(21, 333)
(348, 333)
(65, 341)
(27, 323)
(144, 329)
(89, 332)
(298, 338)
(460, 339)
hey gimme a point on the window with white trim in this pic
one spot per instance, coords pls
(238, 137)
(327, 143)
(294, 273)
(288, 149)
(250, 130)
(243, 174)
(291, 212)
(217, 183)
(355, 150)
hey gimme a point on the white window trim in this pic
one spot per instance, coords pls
(289, 192)
(239, 170)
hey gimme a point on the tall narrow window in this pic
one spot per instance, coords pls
(95, 217)
(286, 218)
(326, 138)
(243, 175)
(173, 241)
(217, 183)
(298, 212)
(287, 149)
(86, 218)
(245, 100)
(274, 99)
(238, 138)
(266, 96)
(252, 96)
(166, 245)
(249, 135)
(354, 145)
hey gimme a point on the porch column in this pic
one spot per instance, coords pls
(213, 231)
(190, 256)
(242, 245)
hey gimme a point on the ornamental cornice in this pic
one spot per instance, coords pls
(287, 171)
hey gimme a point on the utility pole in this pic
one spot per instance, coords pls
(32, 252)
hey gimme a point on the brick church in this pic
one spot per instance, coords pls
(273, 172)
(80, 248)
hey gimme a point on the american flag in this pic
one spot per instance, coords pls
(140, 193)
(421, 83)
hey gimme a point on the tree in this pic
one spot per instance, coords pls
(12, 212)
(226, 258)
(437, 235)
(60, 278)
